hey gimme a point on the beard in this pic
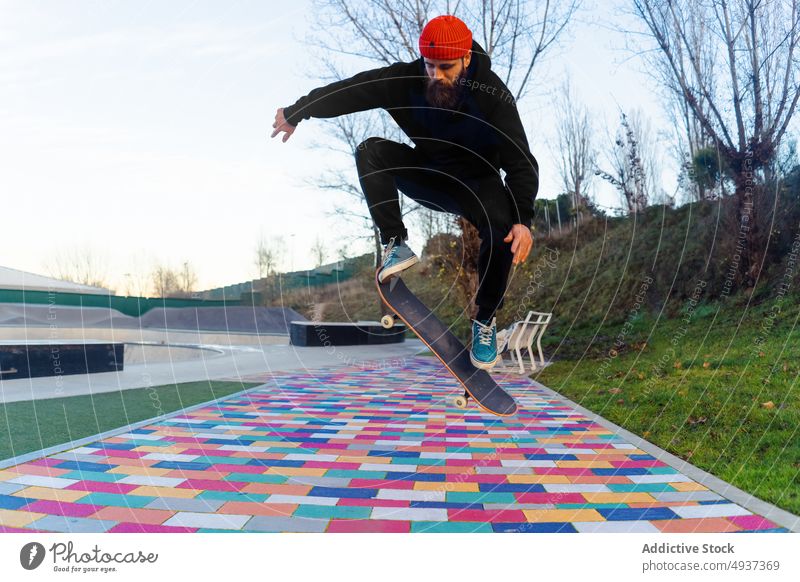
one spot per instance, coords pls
(442, 94)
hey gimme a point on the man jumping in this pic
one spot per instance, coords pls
(465, 126)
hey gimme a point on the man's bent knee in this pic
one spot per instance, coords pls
(367, 147)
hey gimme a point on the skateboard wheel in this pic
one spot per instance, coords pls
(460, 401)
(387, 321)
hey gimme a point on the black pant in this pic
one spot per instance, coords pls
(385, 166)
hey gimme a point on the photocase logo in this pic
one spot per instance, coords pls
(31, 555)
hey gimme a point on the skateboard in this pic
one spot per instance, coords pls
(477, 384)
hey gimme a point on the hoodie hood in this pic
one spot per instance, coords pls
(480, 62)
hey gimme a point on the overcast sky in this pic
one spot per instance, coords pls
(140, 130)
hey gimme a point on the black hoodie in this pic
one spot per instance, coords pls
(481, 135)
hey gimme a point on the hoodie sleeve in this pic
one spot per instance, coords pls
(366, 90)
(516, 159)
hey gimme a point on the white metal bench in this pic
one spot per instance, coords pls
(521, 335)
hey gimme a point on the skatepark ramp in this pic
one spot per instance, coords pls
(240, 319)
(232, 319)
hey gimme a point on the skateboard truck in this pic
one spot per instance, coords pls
(389, 317)
(461, 401)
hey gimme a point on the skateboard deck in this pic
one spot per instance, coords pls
(477, 383)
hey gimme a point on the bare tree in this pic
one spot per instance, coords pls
(138, 278)
(734, 64)
(431, 222)
(166, 281)
(187, 279)
(786, 160)
(691, 145)
(633, 167)
(577, 156)
(78, 264)
(169, 282)
(649, 141)
(269, 253)
(514, 33)
(319, 252)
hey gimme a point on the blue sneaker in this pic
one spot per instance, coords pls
(484, 344)
(396, 257)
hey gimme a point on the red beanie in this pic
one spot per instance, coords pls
(445, 38)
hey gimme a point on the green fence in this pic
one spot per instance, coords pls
(270, 287)
(133, 306)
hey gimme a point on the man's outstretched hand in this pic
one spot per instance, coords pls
(522, 241)
(281, 125)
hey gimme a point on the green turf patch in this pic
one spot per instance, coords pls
(38, 424)
(722, 394)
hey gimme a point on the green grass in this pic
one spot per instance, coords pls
(698, 390)
(38, 424)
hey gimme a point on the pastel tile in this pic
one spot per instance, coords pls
(115, 500)
(691, 486)
(124, 527)
(9, 488)
(42, 481)
(669, 478)
(412, 495)
(331, 512)
(64, 524)
(184, 504)
(208, 520)
(133, 469)
(152, 480)
(253, 508)
(538, 479)
(716, 510)
(752, 522)
(696, 525)
(667, 496)
(50, 507)
(262, 523)
(623, 497)
(616, 527)
(368, 526)
(148, 491)
(409, 514)
(12, 518)
(554, 515)
(450, 527)
(445, 486)
(135, 515)
(64, 495)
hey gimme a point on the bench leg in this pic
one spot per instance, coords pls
(521, 361)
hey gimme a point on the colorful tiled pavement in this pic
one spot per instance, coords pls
(364, 450)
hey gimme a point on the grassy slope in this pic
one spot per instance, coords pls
(714, 388)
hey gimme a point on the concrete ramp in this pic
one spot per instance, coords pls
(240, 319)
(64, 316)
